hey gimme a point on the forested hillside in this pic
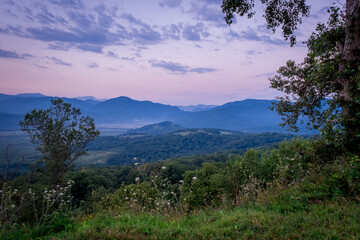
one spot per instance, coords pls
(186, 142)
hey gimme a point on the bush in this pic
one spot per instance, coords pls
(206, 186)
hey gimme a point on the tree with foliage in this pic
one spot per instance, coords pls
(61, 134)
(325, 88)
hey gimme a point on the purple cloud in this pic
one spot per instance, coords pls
(170, 3)
(93, 65)
(9, 54)
(252, 35)
(75, 4)
(194, 32)
(178, 68)
(59, 61)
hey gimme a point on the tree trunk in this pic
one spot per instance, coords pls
(350, 50)
(352, 31)
(350, 83)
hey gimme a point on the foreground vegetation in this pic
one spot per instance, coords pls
(300, 190)
(326, 220)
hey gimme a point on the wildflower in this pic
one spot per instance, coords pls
(12, 206)
(194, 178)
(181, 181)
(136, 164)
(163, 168)
(137, 179)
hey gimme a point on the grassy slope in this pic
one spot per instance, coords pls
(330, 220)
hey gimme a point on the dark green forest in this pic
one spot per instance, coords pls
(185, 142)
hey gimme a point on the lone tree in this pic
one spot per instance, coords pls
(61, 134)
(326, 86)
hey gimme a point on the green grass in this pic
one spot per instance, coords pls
(327, 220)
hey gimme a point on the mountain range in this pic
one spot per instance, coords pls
(249, 115)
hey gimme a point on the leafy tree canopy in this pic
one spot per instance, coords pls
(325, 88)
(61, 134)
(284, 14)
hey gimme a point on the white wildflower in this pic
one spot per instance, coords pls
(194, 178)
(163, 168)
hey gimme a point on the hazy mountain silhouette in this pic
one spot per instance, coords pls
(248, 115)
(241, 116)
(124, 109)
(197, 108)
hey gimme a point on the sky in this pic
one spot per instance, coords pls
(178, 52)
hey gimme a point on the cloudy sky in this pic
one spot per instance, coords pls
(177, 52)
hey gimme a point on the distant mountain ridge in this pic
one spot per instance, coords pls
(30, 95)
(197, 108)
(240, 116)
(91, 98)
(248, 115)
